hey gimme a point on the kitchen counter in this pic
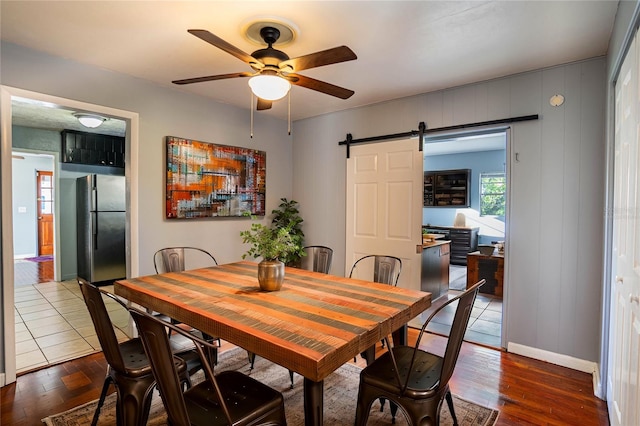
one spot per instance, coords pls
(434, 243)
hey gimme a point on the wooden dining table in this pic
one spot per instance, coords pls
(314, 324)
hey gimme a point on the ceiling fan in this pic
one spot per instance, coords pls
(275, 65)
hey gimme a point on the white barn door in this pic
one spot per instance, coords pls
(384, 205)
(623, 377)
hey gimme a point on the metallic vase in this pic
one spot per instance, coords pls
(270, 275)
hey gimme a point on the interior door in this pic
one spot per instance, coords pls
(384, 205)
(45, 212)
(623, 377)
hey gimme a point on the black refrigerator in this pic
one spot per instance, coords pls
(101, 221)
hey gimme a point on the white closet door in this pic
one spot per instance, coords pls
(623, 377)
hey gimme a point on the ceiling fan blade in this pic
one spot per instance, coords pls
(264, 104)
(227, 47)
(213, 77)
(318, 59)
(321, 86)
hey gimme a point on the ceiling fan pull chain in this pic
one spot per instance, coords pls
(251, 109)
(289, 113)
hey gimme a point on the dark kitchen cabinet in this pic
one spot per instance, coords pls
(463, 241)
(447, 188)
(92, 148)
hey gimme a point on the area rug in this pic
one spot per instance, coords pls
(39, 258)
(340, 394)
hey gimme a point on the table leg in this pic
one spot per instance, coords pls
(369, 355)
(313, 402)
(400, 336)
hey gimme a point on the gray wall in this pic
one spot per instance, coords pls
(554, 254)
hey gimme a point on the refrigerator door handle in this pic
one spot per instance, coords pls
(94, 230)
(94, 198)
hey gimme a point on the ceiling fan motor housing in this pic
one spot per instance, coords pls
(270, 35)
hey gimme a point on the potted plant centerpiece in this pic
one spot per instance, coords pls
(272, 244)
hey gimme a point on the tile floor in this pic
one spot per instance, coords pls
(485, 324)
(53, 324)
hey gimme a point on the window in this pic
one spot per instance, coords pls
(493, 187)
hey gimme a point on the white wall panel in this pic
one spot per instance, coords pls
(464, 105)
(552, 154)
(481, 111)
(590, 208)
(570, 234)
(498, 99)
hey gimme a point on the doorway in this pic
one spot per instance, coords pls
(483, 157)
(33, 198)
(9, 127)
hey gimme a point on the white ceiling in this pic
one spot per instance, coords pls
(403, 47)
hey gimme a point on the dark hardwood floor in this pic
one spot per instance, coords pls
(525, 391)
(27, 272)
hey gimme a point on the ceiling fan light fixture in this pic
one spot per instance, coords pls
(269, 87)
(90, 120)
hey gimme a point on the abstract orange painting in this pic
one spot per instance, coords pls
(211, 180)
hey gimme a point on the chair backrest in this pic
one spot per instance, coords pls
(318, 259)
(177, 259)
(155, 340)
(102, 323)
(386, 269)
(458, 328)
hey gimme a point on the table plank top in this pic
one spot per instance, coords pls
(312, 325)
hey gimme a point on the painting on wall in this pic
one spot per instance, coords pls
(210, 180)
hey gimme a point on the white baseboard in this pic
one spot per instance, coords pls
(562, 360)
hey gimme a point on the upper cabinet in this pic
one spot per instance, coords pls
(447, 188)
(92, 148)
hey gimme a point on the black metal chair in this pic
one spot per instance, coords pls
(414, 379)
(386, 269)
(178, 259)
(318, 259)
(229, 398)
(128, 366)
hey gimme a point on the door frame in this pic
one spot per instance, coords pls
(7, 93)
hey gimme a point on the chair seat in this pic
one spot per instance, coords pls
(137, 363)
(134, 357)
(425, 374)
(242, 395)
